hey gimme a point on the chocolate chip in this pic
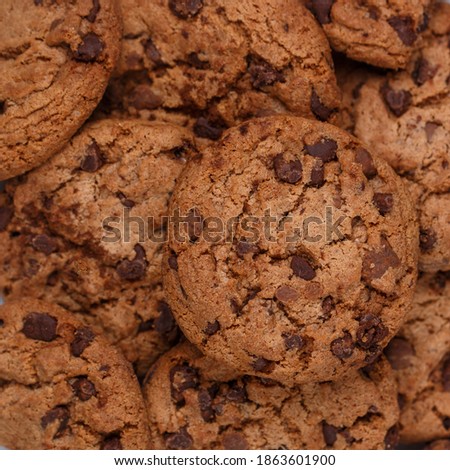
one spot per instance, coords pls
(185, 9)
(446, 423)
(83, 337)
(427, 239)
(378, 261)
(325, 149)
(329, 433)
(128, 203)
(288, 171)
(317, 177)
(212, 328)
(263, 365)
(40, 326)
(135, 269)
(327, 305)
(93, 160)
(302, 268)
(2, 107)
(392, 438)
(182, 377)
(244, 247)
(374, 13)
(364, 158)
(286, 294)
(2, 322)
(243, 129)
(207, 130)
(293, 341)
(343, 347)
(194, 222)
(142, 97)
(404, 27)
(322, 10)
(152, 52)
(93, 12)
(319, 110)
(90, 48)
(173, 262)
(398, 353)
(262, 73)
(44, 244)
(370, 331)
(179, 440)
(6, 214)
(194, 60)
(59, 413)
(38, 2)
(111, 443)
(234, 441)
(205, 404)
(446, 375)
(398, 101)
(83, 388)
(236, 393)
(423, 71)
(165, 324)
(430, 129)
(383, 202)
(52, 279)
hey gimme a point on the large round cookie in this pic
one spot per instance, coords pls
(292, 251)
(420, 357)
(88, 229)
(377, 32)
(222, 61)
(405, 118)
(56, 58)
(194, 402)
(63, 387)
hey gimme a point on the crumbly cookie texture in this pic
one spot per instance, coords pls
(380, 33)
(194, 402)
(223, 61)
(86, 231)
(405, 118)
(420, 357)
(295, 250)
(62, 386)
(56, 59)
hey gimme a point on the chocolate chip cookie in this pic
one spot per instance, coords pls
(62, 386)
(377, 32)
(221, 61)
(194, 402)
(88, 229)
(405, 118)
(292, 251)
(56, 59)
(420, 357)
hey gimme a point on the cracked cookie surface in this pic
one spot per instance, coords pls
(218, 62)
(63, 387)
(420, 357)
(194, 402)
(294, 253)
(56, 58)
(86, 231)
(405, 118)
(378, 32)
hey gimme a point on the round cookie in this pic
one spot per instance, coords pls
(88, 229)
(377, 32)
(420, 357)
(292, 251)
(63, 387)
(405, 118)
(56, 59)
(194, 402)
(221, 61)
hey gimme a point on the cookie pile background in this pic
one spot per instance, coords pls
(225, 225)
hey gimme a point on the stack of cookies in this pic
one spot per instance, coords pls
(218, 233)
